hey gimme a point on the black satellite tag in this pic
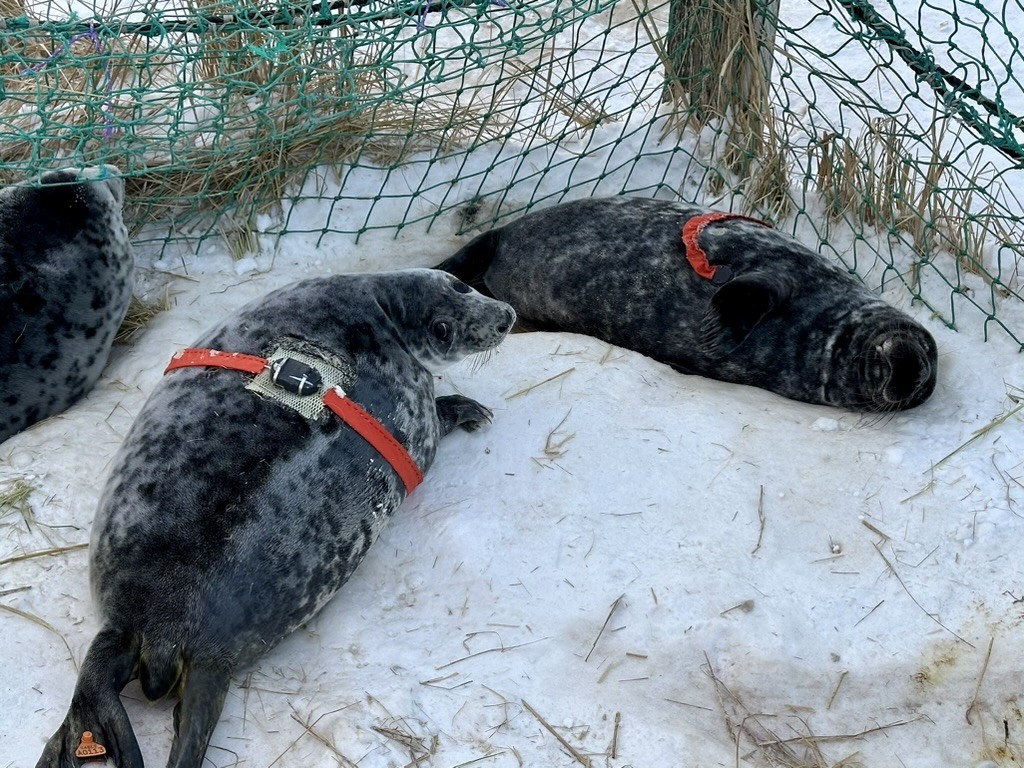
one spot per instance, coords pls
(295, 377)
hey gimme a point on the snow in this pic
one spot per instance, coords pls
(640, 560)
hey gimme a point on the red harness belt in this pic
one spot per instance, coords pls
(367, 427)
(695, 254)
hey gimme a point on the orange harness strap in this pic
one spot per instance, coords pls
(695, 254)
(373, 432)
(357, 418)
(212, 358)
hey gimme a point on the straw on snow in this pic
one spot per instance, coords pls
(209, 116)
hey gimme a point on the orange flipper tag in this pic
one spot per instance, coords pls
(89, 749)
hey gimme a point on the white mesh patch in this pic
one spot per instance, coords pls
(310, 406)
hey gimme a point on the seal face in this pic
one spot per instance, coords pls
(230, 518)
(777, 316)
(65, 283)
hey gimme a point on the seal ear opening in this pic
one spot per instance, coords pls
(739, 306)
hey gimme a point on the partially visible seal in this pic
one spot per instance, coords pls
(65, 283)
(756, 307)
(230, 518)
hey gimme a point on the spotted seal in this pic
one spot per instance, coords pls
(777, 316)
(65, 283)
(229, 518)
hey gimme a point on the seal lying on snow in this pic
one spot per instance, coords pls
(741, 303)
(65, 283)
(231, 516)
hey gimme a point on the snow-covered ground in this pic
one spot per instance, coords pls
(623, 543)
(630, 567)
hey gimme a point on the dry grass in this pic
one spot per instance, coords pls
(549, 379)
(578, 756)
(45, 625)
(879, 179)
(718, 60)
(551, 80)
(238, 118)
(14, 498)
(757, 739)
(51, 552)
(718, 63)
(140, 314)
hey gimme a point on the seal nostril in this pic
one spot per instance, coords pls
(905, 370)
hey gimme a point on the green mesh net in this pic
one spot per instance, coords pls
(893, 140)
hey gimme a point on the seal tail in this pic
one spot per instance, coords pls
(203, 690)
(96, 705)
(471, 262)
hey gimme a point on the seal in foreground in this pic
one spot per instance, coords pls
(65, 283)
(743, 303)
(230, 517)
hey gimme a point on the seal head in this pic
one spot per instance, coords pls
(886, 364)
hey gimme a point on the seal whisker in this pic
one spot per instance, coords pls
(480, 359)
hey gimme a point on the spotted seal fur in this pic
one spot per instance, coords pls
(65, 283)
(230, 519)
(788, 321)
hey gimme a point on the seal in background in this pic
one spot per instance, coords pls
(65, 283)
(756, 307)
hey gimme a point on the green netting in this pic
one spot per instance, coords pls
(895, 140)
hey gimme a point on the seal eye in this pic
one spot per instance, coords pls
(460, 287)
(442, 331)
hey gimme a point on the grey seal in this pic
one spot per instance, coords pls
(777, 315)
(65, 282)
(229, 519)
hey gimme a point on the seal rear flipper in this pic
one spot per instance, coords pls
(159, 669)
(738, 306)
(195, 716)
(96, 706)
(471, 262)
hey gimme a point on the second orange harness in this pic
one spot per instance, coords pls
(695, 254)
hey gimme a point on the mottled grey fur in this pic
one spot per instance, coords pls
(65, 283)
(788, 321)
(229, 519)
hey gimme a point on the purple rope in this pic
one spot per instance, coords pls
(108, 78)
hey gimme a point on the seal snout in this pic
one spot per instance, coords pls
(500, 319)
(906, 366)
(505, 325)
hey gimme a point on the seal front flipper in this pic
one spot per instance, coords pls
(471, 262)
(739, 306)
(458, 411)
(96, 707)
(203, 690)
